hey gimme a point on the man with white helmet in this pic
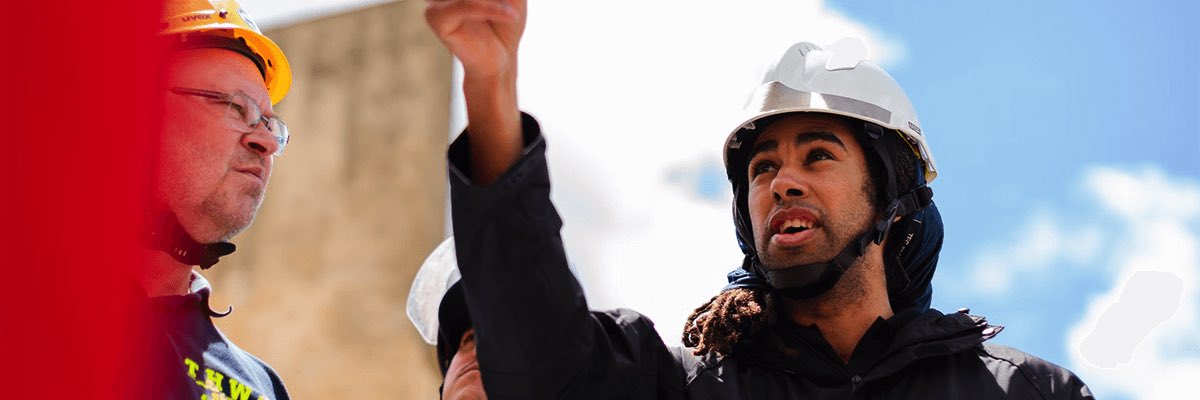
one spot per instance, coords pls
(832, 210)
(219, 139)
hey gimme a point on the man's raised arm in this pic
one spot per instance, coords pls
(534, 333)
(484, 35)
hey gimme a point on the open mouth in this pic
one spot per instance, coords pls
(793, 221)
(795, 226)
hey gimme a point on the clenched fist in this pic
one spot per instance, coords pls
(483, 34)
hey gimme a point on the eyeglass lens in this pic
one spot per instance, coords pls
(250, 114)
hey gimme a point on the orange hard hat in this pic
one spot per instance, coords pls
(224, 23)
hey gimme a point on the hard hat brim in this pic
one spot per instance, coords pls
(277, 72)
(775, 98)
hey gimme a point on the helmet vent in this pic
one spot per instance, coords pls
(847, 53)
(806, 47)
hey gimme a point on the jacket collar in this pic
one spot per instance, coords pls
(911, 336)
(199, 291)
(931, 335)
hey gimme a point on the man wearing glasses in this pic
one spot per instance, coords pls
(219, 138)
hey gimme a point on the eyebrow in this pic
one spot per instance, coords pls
(248, 95)
(263, 111)
(802, 139)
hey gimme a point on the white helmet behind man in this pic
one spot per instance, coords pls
(437, 275)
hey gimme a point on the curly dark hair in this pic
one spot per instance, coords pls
(738, 317)
(732, 318)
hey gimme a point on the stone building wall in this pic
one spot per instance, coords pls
(320, 280)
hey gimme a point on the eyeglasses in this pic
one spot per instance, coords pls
(246, 110)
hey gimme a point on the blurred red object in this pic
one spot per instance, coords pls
(77, 125)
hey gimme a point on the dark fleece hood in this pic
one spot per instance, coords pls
(910, 257)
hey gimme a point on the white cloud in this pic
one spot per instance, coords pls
(1139, 336)
(1145, 194)
(656, 82)
(1042, 242)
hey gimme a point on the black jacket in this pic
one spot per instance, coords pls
(537, 339)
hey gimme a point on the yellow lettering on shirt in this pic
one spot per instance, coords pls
(192, 367)
(238, 391)
(213, 380)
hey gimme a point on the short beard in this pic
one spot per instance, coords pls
(229, 224)
(847, 295)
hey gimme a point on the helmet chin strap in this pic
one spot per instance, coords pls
(168, 236)
(810, 280)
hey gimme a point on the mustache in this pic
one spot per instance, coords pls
(250, 157)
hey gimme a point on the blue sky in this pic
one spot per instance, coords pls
(1022, 100)
(1023, 95)
(1066, 133)
(1020, 97)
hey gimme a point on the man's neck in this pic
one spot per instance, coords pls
(162, 275)
(845, 312)
(844, 330)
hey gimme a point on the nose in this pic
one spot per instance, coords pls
(261, 141)
(788, 184)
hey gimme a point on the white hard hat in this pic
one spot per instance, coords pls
(433, 280)
(838, 79)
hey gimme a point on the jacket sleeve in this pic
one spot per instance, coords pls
(1049, 380)
(535, 336)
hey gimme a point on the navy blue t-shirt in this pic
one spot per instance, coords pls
(209, 365)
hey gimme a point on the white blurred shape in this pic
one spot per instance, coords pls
(1139, 337)
(437, 274)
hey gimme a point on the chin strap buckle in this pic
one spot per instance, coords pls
(914, 200)
(171, 238)
(885, 225)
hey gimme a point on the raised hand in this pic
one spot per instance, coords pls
(484, 35)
